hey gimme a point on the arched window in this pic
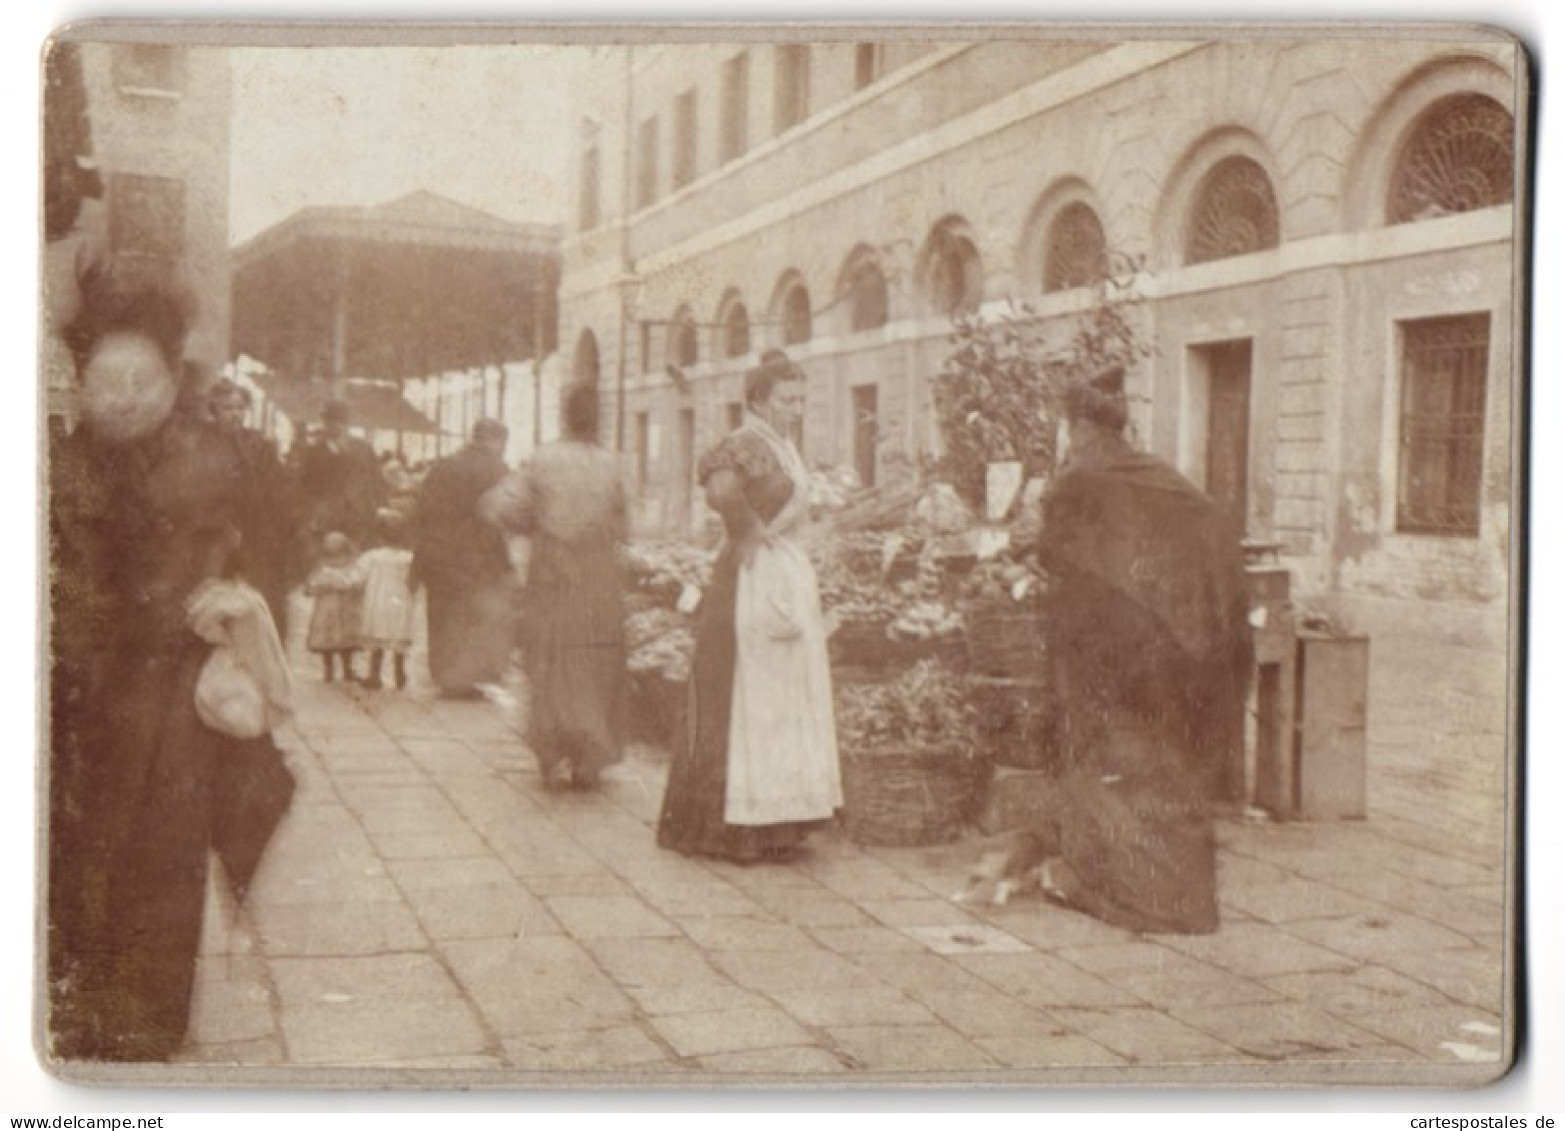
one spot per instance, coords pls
(735, 321)
(684, 341)
(863, 287)
(796, 327)
(951, 273)
(1075, 252)
(584, 365)
(1235, 212)
(1459, 157)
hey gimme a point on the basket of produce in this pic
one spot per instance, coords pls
(912, 772)
(1018, 721)
(1003, 610)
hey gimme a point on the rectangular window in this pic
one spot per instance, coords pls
(685, 138)
(146, 221)
(149, 68)
(866, 64)
(646, 347)
(591, 188)
(1445, 363)
(736, 107)
(643, 449)
(735, 414)
(792, 101)
(647, 164)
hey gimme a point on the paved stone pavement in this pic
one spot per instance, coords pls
(430, 913)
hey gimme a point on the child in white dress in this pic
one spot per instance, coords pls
(337, 588)
(388, 600)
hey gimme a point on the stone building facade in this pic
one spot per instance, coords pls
(1326, 230)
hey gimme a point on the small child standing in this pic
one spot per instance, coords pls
(337, 587)
(388, 599)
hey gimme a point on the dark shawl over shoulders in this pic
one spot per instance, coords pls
(1149, 606)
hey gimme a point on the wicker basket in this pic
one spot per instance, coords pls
(860, 644)
(1018, 721)
(1005, 641)
(906, 798)
(861, 651)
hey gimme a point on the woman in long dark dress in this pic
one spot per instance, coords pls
(755, 766)
(571, 502)
(142, 511)
(1150, 646)
(461, 562)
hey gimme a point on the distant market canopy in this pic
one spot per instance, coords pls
(419, 286)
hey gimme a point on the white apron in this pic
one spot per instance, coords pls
(782, 733)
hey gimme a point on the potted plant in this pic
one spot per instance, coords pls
(912, 770)
(998, 393)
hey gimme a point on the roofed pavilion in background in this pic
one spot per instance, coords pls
(416, 287)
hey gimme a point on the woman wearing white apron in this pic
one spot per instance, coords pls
(755, 767)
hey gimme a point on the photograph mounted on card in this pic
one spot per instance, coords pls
(594, 556)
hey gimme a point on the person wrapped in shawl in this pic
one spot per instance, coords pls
(1150, 646)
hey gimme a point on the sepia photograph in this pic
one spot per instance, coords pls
(667, 557)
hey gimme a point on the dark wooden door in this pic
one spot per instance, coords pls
(866, 432)
(1228, 428)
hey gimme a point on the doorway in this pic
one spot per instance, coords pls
(1223, 370)
(866, 432)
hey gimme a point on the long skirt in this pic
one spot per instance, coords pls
(692, 821)
(131, 819)
(470, 631)
(1136, 837)
(573, 638)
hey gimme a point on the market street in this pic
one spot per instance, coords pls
(428, 906)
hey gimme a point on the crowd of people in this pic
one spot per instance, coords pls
(152, 500)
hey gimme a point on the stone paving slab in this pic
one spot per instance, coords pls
(787, 1063)
(1146, 1036)
(1048, 1051)
(1045, 981)
(855, 1005)
(368, 1032)
(1468, 976)
(733, 1030)
(321, 929)
(981, 1013)
(1442, 1032)
(376, 977)
(1276, 1031)
(1366, 989)
(622, 1046)
(229, 1011)
(820, 911)
(933, 1050)
(1258, 950)
(744, 933)
(1367, 936)
(865, 940)
(775, 971)
(608, 916)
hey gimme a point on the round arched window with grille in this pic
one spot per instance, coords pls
(1235, 212)
(1459, 158)
(1076, 253)
(953, 275)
